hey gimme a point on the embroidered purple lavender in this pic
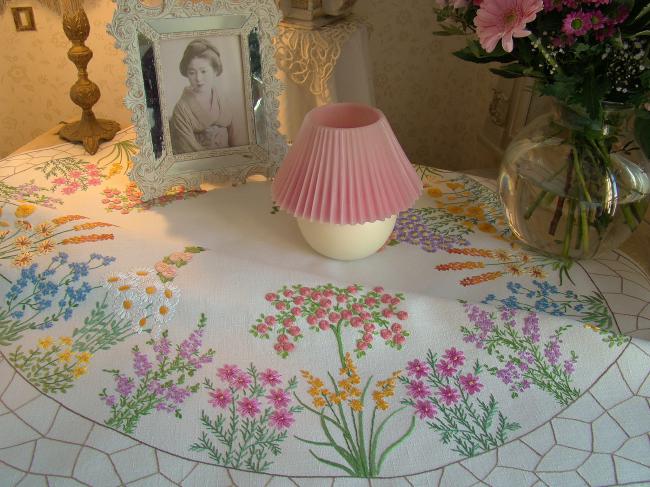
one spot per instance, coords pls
(420, 226)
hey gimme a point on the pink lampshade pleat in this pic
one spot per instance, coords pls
(345, 167)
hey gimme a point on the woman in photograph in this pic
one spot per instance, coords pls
(202, 119)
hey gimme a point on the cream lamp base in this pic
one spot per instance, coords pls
(347, 242)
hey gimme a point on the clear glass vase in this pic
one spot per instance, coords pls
(574, 187)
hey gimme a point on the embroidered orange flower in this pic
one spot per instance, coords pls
(475, 212)
(537, 272)
(44, 229)
(65, 356)
(472, 251)
(66, 341)
(91, 225)
(66, 219)
(487, 227)
(455, 210)
(23, 242)
(454, 186)
(434, 192)
(23, 260)
(45, 247)
(88, 238)
(46, 343)
(457, 266)
(488, 276)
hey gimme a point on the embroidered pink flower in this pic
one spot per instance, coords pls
(278, 398)
(242, 381)
(281, 419)
(501, 20)
(270, 377)
(178, 257)
(248, 407)
(165, 270)
(228, 373)
(220, 398)
(417, 369)
(454, 357)
(417, 389)
(445, 368)
(470, 383)
(448, 395)
(425, 409)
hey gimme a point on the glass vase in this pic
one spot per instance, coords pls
(575, 187)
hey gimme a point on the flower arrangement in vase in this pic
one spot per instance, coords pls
(575, 182)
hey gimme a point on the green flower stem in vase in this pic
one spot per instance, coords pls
(574, 186)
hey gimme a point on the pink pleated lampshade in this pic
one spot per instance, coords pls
(345, 167)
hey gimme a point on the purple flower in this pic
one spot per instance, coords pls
(278, 398)
(425, 409)
(110, 400)
(417, 369)
(569, 367)
(177, 394)
(596, 19)
(417, 389)
(141, 364)
(191, 345)
(531, 327)
(162, 348)
(270, 378)
(413, 227)
(470, 383)
(156, 388)
(508, 373)
(445, 369)
(220, 398)
(448, 395)
(281, 419)
(161, 406)
(248, 407)
(552, 351)
(124, 385)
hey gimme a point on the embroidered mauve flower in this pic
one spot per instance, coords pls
(178, 257)
(278, 398)
(552, 351)
(281, 419)
(110, 400)
(124, 385)
(270, 377)
(242, 381)
(445, 369)
(220, 398)
(248, 407)
(470, 383)
(417, 368)
(417, 389)
(141, 364)
(454, 357)
(448, 395)
(425, 409)
(228, 373)
(501, 20)
(165, 270)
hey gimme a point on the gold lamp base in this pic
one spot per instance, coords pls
(90, 131)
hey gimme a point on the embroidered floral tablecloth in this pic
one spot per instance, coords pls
(197, 340)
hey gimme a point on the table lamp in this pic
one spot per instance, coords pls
(345, 179)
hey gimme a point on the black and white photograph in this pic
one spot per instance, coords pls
(203, 85)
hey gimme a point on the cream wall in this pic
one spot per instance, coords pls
(36, 75)
(435, 103)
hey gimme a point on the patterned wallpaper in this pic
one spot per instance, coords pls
(36, 75)
(435, 103)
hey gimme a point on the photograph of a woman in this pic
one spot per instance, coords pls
(207, 100)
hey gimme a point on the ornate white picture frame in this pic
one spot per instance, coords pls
(202, 87)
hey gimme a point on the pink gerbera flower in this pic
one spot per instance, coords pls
(501, 20)
(576, 24)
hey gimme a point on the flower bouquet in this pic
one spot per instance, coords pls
(575, 182)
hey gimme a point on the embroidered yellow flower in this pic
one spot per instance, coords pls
(23, 260)
(487, 227)
(46, 343)
(44, 229)
(455, 210)
(537, 272)
(84, 357)
(23, 225)
(79, 371)
(454, 186)
(45, 247)
(592, 327)
(4, 223)
(65, 356)
(24, 210)
(66, 341)
(23, 242)
(475, 212)
(434, 192)
(356, 405)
